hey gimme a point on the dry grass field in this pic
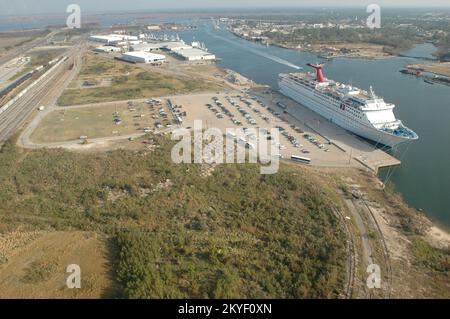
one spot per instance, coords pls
(127, 82)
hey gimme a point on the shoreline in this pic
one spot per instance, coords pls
(433, 220)
(323, 55)
(318, 49)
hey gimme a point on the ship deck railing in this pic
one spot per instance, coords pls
(401, 131)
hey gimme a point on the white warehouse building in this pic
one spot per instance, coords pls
(176, 45)
(194, 54)
(112, 38)
(107, 49)
(147, 47)
(142, 57)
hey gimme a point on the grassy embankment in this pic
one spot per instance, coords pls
(128, 82)
(420, 262)
(234, 234)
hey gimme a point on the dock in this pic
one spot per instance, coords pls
(358, 150)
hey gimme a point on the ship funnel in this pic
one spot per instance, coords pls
(319, 67)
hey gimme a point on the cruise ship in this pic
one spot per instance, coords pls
(356, 110)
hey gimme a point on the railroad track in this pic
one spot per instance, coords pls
(14, 117)
(351, 255)
(386, 256)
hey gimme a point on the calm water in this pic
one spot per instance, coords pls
(424, 176)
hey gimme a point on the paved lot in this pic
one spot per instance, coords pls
(354, 146)
(302, 132)
(321, 153)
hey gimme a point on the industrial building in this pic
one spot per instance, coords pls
(112, 39)
(179, 48)
(176, 46)
(168, 46)
(193, 54)
(128, 42)
(147, 47)
(107, 49)
(142, 57)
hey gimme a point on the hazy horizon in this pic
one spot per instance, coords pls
(32, 7)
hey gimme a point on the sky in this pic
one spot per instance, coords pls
(20, 7)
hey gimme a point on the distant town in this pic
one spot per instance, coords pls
(345, 35)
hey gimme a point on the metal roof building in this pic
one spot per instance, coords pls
(142, 57)
(147, 47)
(107, 49)
(176, 46)
(112, 38)
(194, 54)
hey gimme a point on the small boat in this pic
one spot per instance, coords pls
(428, 81)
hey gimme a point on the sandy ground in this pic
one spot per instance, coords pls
(438, 237)
(205, 70)
(34, 265)
(380, 217)
(8, 70)
(442, 68)
(361, 50)
(11, 41)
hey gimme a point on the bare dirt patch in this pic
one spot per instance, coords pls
(415, 246)
(442, 68)
(438, 237)
(36, 263)
(355, 50)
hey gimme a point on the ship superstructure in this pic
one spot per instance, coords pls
(361, 112)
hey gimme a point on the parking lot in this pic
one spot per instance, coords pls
(362, 153)
(241, 110)
(302, 133)
(102, 120)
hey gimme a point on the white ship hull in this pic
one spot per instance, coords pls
(330, 111)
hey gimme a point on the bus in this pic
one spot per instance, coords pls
(300, 159)
(282, 105)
